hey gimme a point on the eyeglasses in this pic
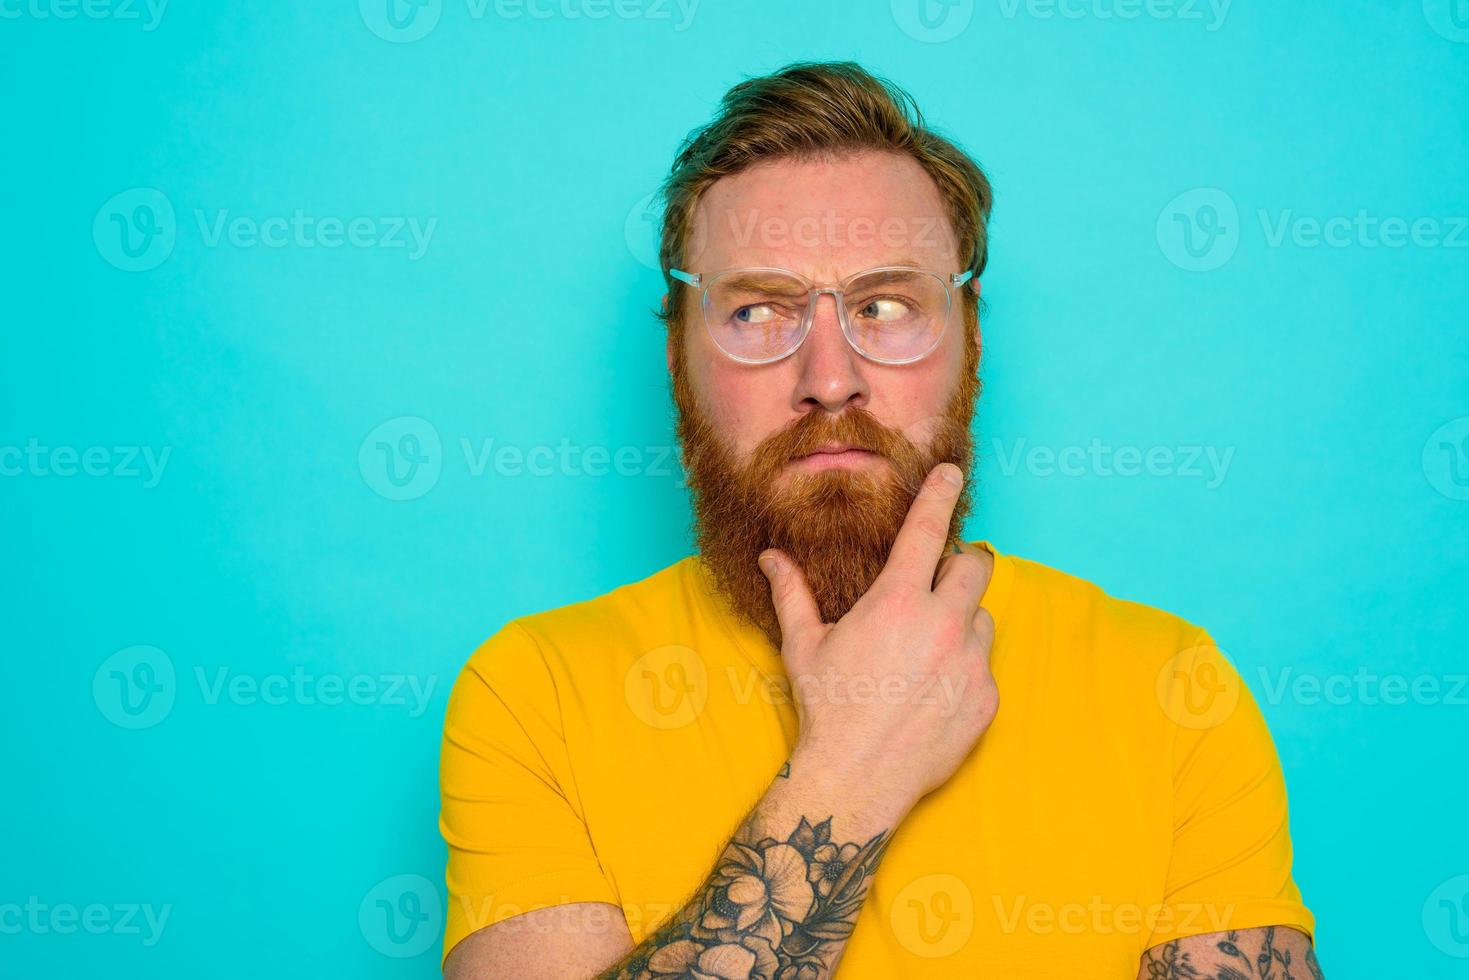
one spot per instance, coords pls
(891, 314)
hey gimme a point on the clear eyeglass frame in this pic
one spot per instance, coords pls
(702, 282)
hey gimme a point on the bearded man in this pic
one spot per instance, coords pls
(785, 754)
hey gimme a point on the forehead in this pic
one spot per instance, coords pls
(825, 219)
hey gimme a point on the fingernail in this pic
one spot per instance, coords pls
(768, 564)
(952, 474)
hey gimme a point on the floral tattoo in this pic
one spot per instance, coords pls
(1232, 959)
(771, 910)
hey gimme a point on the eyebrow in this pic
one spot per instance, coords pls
(765, 282)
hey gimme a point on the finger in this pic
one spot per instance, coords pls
(925, 531)
(984, 628)
(795, 608)
(961, 579)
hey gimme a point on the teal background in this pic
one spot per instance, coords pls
(271, 546)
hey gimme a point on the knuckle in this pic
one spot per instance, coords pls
(931, 526)
(900, 603)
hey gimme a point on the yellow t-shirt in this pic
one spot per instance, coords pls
(1127, 794)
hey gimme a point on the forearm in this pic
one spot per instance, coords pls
(1268, 953)
(788, 885)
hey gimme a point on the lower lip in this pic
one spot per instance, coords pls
(845, 458)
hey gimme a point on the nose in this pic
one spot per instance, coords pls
(830, 373)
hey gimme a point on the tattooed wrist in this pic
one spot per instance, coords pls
(1250, 954)
(771, 910)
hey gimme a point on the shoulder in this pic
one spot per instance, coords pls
(554, 639)
(1085, 618)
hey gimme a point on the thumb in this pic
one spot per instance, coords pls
(984, 628)
(795, 608)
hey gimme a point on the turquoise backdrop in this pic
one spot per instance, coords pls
(318, 318)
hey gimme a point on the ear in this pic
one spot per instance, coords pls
(978, 339)
(668, 351)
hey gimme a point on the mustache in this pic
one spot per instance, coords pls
(855, 427)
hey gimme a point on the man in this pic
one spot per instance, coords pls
(788, 752)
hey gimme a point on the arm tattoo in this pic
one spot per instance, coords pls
(771, 910)
(1248, 955)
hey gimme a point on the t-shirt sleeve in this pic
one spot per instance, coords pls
(509, 812)
(1231, 860)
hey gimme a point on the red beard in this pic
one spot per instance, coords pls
(838, 525)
